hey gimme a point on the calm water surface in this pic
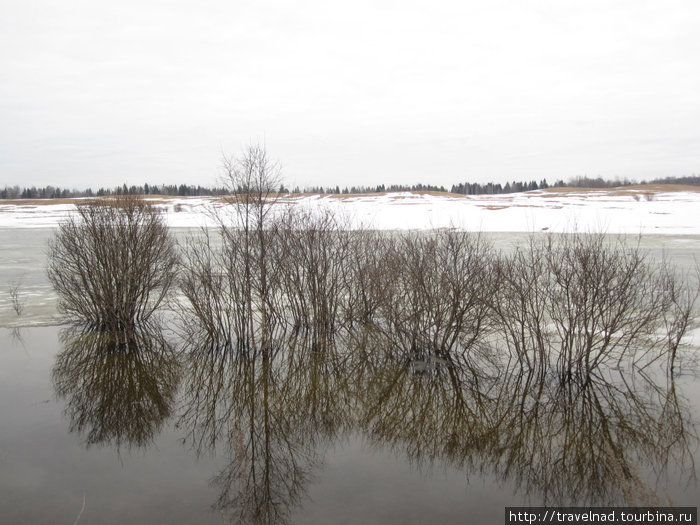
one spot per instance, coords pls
(151, 435)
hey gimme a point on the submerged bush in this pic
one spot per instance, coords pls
(112, 264)
(437, 301)
(566, 304)
(576, 302)
(310, 262)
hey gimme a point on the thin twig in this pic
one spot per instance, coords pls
(81, 511)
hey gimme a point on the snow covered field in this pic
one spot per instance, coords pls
(617, 210)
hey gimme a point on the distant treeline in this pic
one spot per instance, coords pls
(463, 188)
(55, 192)
(467, 188)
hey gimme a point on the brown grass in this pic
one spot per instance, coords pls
(36, 202)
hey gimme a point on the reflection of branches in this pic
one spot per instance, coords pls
(591, 443)
(16, 333)
(270, 417)
(568, 443)
(607, 439)
(675, 435)
(119, 386)
(436, 417)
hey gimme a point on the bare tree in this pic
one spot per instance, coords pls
(233, 270)
(252, 180)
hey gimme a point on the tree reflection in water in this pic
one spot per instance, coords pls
(119, 387)
(604, 441)
(272, 418)
(614, 438)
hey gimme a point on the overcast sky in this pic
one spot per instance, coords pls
(365, 92)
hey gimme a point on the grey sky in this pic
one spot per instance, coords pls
(98, 93)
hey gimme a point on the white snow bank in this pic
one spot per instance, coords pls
(612, 211)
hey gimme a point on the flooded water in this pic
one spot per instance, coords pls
(151, 434)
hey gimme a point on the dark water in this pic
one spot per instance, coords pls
(321, 439)
(143, 433)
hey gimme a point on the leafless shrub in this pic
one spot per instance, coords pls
(576, 302)
(679, 317)
(112, 265)
(606, 302)
(521, 303)
(213, 284)
(368, 275)
(440, 291)
(310, 253)
(15, 291)
(304, 270)
(417, 310)
(570, 303)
